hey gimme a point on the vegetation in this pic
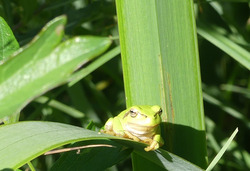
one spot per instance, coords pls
(61, 70)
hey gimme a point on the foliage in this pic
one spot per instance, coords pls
(87, 88)
(163, 69)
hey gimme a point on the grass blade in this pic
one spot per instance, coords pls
(232, 49)
(234, 113)
(60, 106)
(94, 65)
(222, 151)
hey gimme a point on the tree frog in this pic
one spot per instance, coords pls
(139, 123)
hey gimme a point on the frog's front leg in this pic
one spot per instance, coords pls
(154, 143)
(131, 136)
(108, 127)
(118, 128)
(114, 127)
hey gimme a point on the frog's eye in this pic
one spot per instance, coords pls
(160, 112)
(133, 113)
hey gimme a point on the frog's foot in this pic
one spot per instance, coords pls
(153, 146)
(110, 132)
(131, 136)
(148, 141)
(120, 134)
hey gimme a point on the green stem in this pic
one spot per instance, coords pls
(32, 168)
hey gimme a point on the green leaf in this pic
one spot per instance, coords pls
(224, 0)
(167, 160)
(236, 89)
(60, 106)
(222, 151)
(23, 141)
(8, 42)
(212, 34)
(234, 113)
(161, 66)
(51, 36)
(94, 65)
(41, 66)
(31, 166)
(87, 159)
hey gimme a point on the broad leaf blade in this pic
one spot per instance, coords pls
(41, 45)
(23, 141)
(38, 76)
(87, 159)
(38, 48)
(167, 160)
(161, 66)
(8, 42)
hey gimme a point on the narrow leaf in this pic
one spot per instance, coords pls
(222, 151)
(60, 106)
(234, 113)
(232, 49)
(236, 89)
(94, 65)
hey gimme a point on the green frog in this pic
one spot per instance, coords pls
(139, 123)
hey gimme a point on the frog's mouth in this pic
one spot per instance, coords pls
(132, 127)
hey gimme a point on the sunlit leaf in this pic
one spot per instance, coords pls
(8, 43)
(23, 141)
(41, 65)
(161, 66)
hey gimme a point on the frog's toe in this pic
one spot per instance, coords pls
(120, 134)
(149, 148)
(108, 132)
(153, 146)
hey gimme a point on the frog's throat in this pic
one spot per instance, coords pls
(138, 127)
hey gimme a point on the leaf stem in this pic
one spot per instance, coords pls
(32, 168)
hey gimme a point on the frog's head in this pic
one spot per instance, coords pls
(144, 118)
